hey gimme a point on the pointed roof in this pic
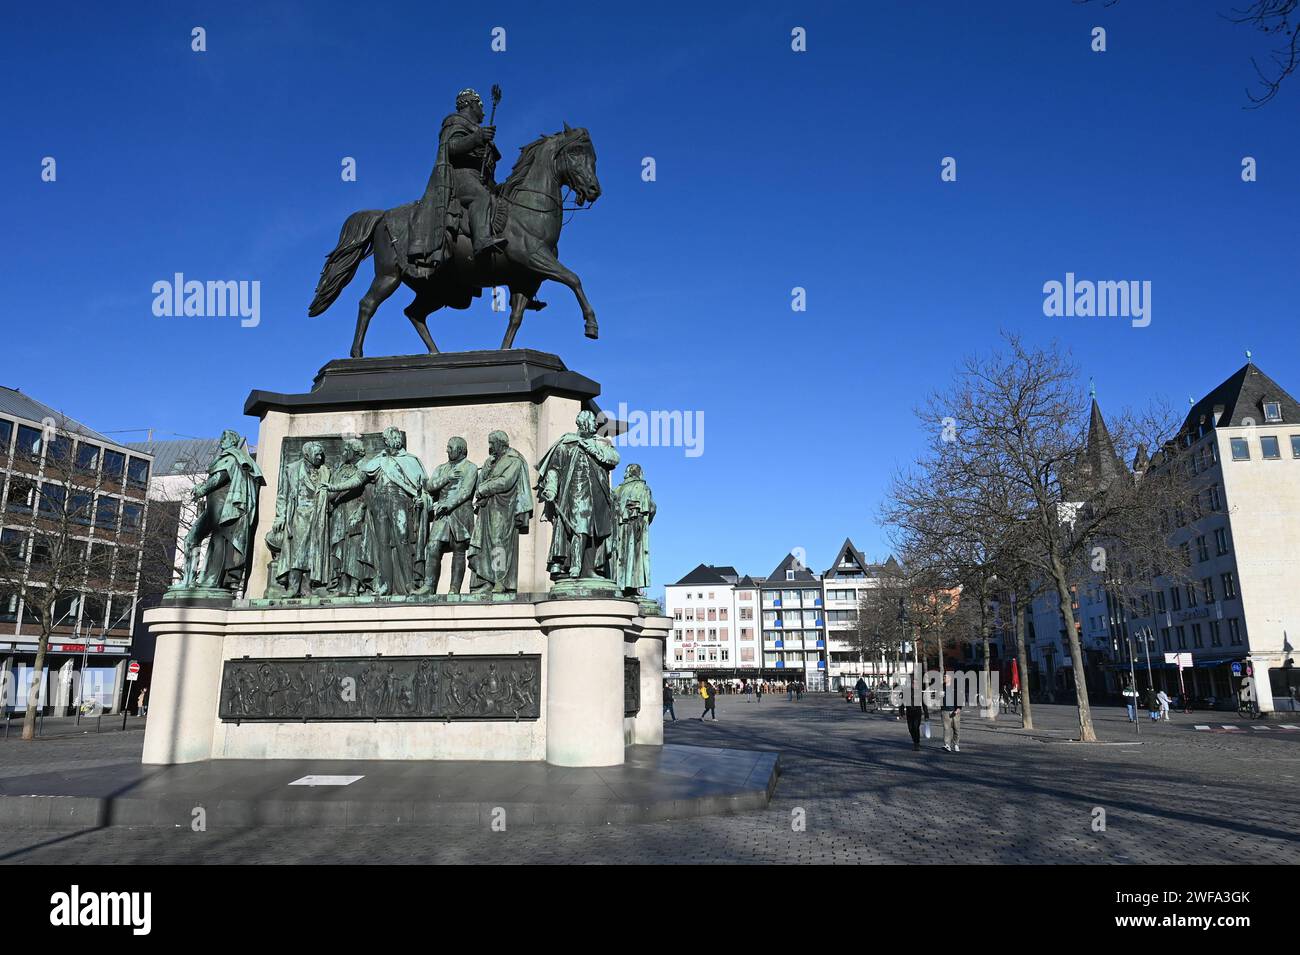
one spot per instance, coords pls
(1102, 460)
(848, 554)
(706, 574)
(801, 573)
(1241, 396)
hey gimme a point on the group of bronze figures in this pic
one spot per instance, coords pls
(376, 523)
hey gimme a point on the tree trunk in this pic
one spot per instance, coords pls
(1022, 660)
(29, 717)
(1086, 733)
(990, 701)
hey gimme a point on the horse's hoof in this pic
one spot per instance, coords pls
(356, 353)
(591, 330)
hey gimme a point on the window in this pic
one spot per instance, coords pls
(1272, 411)
(722, 614)
(1295, 445)
(1234, 632)
(59, 449)
(22, 495)
(1268, 447)
(746, 595)
(52, 499)
(1175, 599)
(1221, 541)
(677, 614)
(1197, 642)
(106, 513)
(690, 613)
(29, 442)
(746, 613)
(1160, 601)
(13, 546)
(114, 464)
(1207, 586)
(1229, 585)
(132, 517)
(1240, 449)
(713, 613)
(1191, 594)
(7, 433)
(1164, 638)
(1181, 633)
(1216, 634)
(1202, 548)
(1216, 499)
(746, 633)
(789, 575)
(137, 475)
(80, 507)
(87, 457)
(710, 592)
(8, 607)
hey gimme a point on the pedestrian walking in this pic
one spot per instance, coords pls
(1153, 703)
(758, 692)
(789, 692)
(710, 694)
(1130, 702)
(1163, 698)
(861, 689)
(915, 714)
(141, 707)
(951, 716)
(668, 702)
(798, 691)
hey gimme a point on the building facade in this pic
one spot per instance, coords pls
(74, 497)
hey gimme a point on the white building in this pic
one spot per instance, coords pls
(843, 587)
(705, 612)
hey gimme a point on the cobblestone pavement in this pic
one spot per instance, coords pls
(852, 790)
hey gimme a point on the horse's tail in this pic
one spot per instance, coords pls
(356, 241)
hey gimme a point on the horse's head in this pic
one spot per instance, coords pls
(575, 164)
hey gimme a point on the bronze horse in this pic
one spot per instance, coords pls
(533, 220)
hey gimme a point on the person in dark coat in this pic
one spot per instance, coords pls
(861, 689)
(668, 702)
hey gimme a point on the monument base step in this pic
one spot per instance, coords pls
(654, 784)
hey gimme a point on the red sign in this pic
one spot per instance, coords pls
(134, 667)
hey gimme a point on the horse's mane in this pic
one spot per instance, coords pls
(527, 156)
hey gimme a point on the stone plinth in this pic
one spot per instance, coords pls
(529, 395)
(214, 668)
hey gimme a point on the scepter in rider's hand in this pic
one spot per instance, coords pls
(496, 98)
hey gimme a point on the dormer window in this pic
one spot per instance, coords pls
(1272, 411)
(789, 575)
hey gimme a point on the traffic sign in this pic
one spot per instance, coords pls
(1236, 669)
(133, 671)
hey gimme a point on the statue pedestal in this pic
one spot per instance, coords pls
(529, 395)
(527, 678)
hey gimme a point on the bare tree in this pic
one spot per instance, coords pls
(1011, 462)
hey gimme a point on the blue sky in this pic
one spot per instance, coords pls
(775, 169)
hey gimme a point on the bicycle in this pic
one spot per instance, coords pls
(1249, 710)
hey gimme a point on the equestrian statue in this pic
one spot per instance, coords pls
(468, 233)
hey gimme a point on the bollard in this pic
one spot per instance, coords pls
(99, 721)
